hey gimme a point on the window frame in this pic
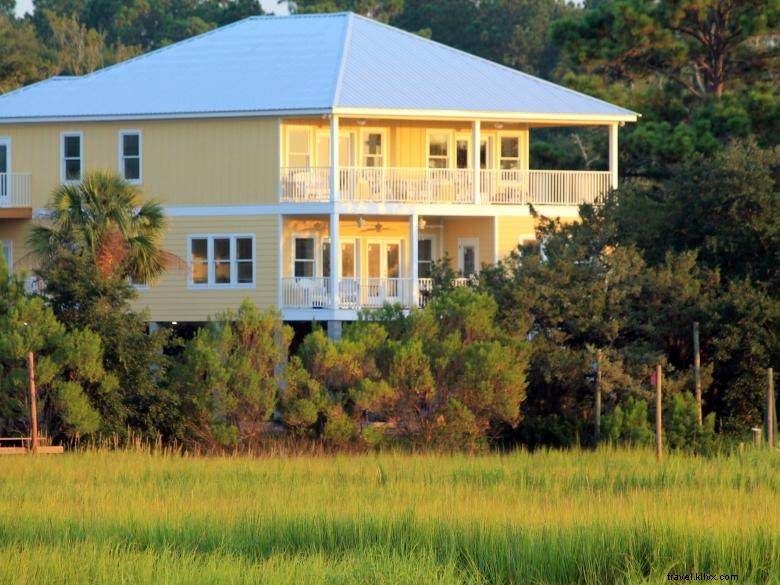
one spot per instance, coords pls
(63, 172)
(316, 268)
(122, 156)
(432, 261)
(364, 132)
(311, 141)
(211, 262)
(450, 147)
(519, 137)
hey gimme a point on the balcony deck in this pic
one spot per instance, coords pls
(446, 186)
(15, 195)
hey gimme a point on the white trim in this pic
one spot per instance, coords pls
(450, 146)
(70, 133)
(121, 155)
(520, 147)
(540, 117)
(7, 141)
(495, 240)
(210, 262)
(613, 155)
(9, 245)
(279, 258)
(468, 242)
(298, 127)
(305, 235)
(325, 132)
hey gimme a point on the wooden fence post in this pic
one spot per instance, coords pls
(658, 426)
(771, 420)
(33, 401)
(598, 397)
(697, 369)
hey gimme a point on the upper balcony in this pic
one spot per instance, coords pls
(412, 161)
(15, 195)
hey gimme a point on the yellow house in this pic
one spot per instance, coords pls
(319, 163)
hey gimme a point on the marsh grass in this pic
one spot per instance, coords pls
(611, 516)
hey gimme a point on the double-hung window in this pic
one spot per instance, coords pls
(438, 150)
(425, 258)
(130, 155)
(510, 153)
(72, 151)
(373, 149)
(304, 257)
(299, 147)
(222, 261)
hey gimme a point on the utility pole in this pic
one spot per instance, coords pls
(697, 369)
(33, 401)
(598, 397)
(658, 444)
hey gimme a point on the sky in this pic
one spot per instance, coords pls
(23, 6)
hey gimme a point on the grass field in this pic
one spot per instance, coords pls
(553, 517)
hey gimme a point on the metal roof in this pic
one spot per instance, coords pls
(298, 64)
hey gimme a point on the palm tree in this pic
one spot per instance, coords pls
(105, 218)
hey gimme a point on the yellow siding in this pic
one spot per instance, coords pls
(456, 228)
(511, 231)
(16, 231)
(171, 299)
(185, 162)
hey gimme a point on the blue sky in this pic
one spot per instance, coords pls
(23, 6)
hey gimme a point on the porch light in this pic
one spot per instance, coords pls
(498, 125)
(360, 222)
(422, 223)
(361, 122)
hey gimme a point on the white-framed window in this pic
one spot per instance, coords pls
(348, 259)
(346, 148)
(130, 150)
(438, 149)
(8, 254)
(71, 156)
(222, 260)
(298, 147)
(373, 146)
(425, 257)
(304, 259)
(509, 152)
(468, 256)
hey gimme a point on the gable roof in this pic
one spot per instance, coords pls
(299, 64)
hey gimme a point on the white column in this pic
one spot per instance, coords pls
(613, 156)
(334, 158)
(495, 240)
(414, 238)
(335, 265)
(476, 129)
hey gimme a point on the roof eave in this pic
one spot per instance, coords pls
(529, 117)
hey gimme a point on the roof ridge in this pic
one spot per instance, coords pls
(343, 60)
(493, 63)
(40, 82)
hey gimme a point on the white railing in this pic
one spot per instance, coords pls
(305, 184)
(306, 292)
(15, 190)
(407, 185)
(544, 187)
(358, 293)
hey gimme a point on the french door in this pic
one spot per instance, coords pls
(384, 272)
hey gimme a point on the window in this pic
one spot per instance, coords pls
(299, 147)
(8, 255)
(222, 260)
(425, 258)
(130, 155)
(347, 260)
(304, 258)
(510, 152)
(373, 150)
(438, 150)
(72, 150)
(462, 153)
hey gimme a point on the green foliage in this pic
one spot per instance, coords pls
(681, 425)
(629, 425)
(229, 376)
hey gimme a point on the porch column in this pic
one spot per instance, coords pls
(334, 158)
(414, 237)
(476, 129)
(335, 265)
(613, 156)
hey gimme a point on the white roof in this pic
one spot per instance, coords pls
(300, 64)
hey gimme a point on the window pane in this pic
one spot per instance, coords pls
(348, 260)
(199, 249)
(374, 267)
(221, 248)
(304, 268)
(244, 272)
(462, 154)
(132, 169)
(510, 147)
(244, 248)
(3, 158)
(469, 260)
(72, 146)
(200, 273)
(438, 145)
(393, 257)
(425, 250)
(73, 169)
(372, 144)
(304, 248)
(326, 259)
(424, 269)
(299, 141)
(508, 164)
(222, 273)
(131, 145)
(437, 163)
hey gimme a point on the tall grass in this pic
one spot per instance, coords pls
(611, 516)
